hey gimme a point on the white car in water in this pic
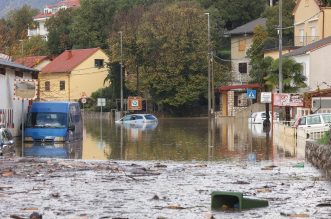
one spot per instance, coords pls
(138, 118)
(258, 117)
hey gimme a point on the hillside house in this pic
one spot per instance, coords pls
(73, 74)
(311, 21)
(48, 12)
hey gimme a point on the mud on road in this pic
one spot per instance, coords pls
(145, 189)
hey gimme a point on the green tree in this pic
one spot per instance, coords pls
(92, 25)
(128, 23)
(19, 20)
(272, 15)
(59, 31)
(174, 42)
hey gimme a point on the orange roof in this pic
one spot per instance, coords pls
(30, 61)
(43, 15)
(68, 60)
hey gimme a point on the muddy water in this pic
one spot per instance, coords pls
(178, 139)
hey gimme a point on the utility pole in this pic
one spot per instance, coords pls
(209, 69)
(121, 77)
(280, 34)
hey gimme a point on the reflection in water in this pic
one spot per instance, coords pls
(71, 150)
(170, 139)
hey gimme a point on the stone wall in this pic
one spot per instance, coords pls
(319, 156)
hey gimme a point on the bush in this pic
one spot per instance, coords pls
(325, 139)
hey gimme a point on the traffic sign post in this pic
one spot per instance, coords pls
(251, 94)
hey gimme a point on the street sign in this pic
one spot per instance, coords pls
(265, 97)
(83, 100)
(101, 102)
(134, 103)
(251, 94)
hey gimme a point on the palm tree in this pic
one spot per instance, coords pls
(293, 79)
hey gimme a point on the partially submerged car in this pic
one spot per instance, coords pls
(259, 117)
(318, 120)
(7, 143)
(138, 118)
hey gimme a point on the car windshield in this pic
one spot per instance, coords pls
(327, 118)
(150, 117)
(47, 119)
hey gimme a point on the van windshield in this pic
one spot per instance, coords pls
(46, 120)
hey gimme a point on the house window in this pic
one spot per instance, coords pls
(243, 68)
(2, 71)
(306, 3)
(313, 33)
(242, 45)
(62, 85)
(98, 63)
(19, 74)
(301, 31)
(47, 86)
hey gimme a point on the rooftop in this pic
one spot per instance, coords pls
(68, 60)
(247, 28)
(310, 47)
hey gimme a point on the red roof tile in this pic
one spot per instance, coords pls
(30, 61)
(68, 60)
(43, 15)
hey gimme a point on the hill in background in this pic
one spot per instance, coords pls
(8, 5)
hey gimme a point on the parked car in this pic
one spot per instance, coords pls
(259, 117)
(318, 120)
(138, 118)
(7, 143)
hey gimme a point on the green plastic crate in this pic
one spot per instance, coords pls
(234, 201)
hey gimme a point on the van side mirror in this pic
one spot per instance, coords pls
(71, 127)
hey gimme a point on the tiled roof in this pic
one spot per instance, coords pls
(30, 61)
(43, 15)
(310, 47)
(10, 64)
(68, 3)
(248, 28)
(68, 60)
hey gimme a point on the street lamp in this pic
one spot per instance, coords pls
(209, 77)
(121, 72)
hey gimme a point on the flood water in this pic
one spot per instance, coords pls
(178, 139)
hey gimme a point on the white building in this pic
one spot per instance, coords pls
(50, 11)
(315, 60)
(11, 108)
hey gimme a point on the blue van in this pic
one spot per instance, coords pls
(49, 122)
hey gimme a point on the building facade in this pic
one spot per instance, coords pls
(311, 18)
(73, 74)
(11, 107)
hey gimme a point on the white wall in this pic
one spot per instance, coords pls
(320, 67)
(7, 101)
(304, 60)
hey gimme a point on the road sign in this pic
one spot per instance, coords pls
(134, 103)
(83, 100)
(251, 94)
(101, 102)
(265, 97)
